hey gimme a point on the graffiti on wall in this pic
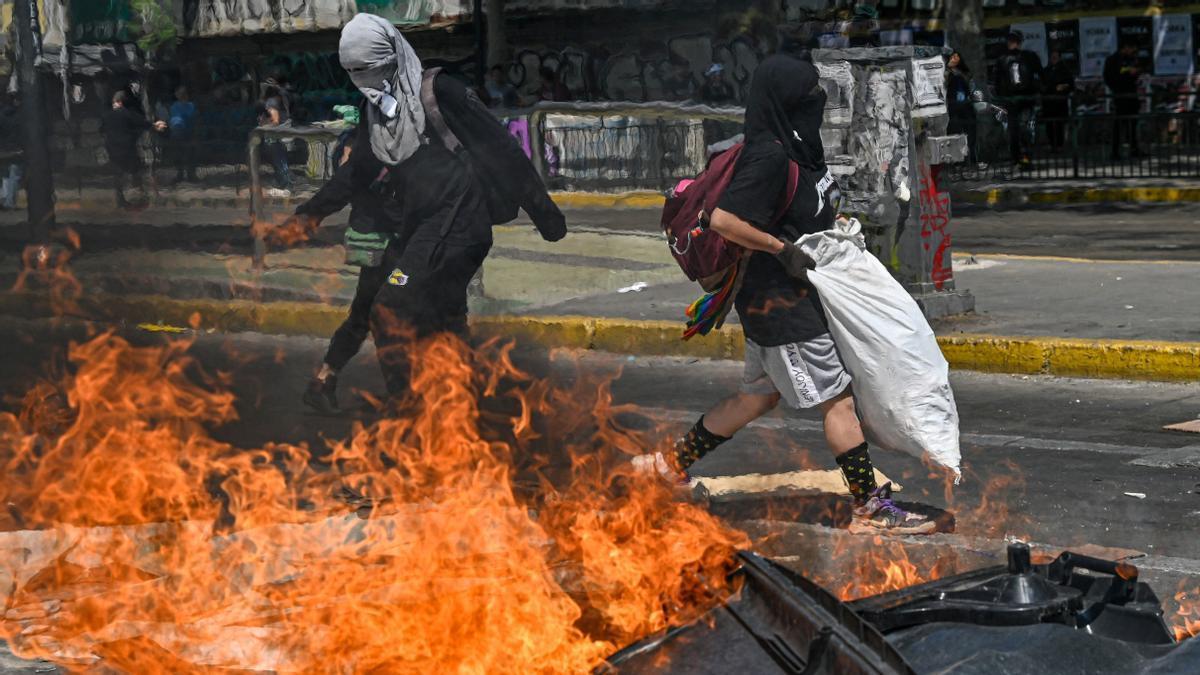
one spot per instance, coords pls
(674, 73)
(935, 224)
(207, 18)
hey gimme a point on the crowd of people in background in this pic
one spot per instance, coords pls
(1031, 95)
(1029, 91)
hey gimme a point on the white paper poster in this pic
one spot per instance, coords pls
(1173, 44)
(1097, 40)
(1035, 38)
(929, 87)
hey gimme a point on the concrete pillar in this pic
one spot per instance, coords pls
(885, 141)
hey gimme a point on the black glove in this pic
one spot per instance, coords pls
(795, 261)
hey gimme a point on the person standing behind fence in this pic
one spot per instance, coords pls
(183, 125)
(959, 101)
(1020, 72)
(1058, 83)
(1121, 74)
(123, 127)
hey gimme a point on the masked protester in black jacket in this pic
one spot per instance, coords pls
(435, 206)
(790, 354)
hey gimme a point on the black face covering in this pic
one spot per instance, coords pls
(787, 104)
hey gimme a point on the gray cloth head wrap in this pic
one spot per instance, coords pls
(387, 71)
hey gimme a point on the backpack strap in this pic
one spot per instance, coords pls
(789, 194)
(433, 114)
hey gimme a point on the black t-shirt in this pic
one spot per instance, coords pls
(774, 308)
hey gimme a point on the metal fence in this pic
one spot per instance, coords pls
(617, 147)
(1084, 143)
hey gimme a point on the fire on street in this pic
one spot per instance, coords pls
(491, 529)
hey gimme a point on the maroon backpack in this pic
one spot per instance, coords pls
(706, 256)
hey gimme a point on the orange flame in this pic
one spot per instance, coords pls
(134, 536)
(1187, 614)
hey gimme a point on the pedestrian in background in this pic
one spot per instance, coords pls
(183, 124)
(123, 127)
(274, 112)
(1058, 82)
(552, 88)
(1020, 72)
(960, 102)
(10, 151)
(500, 91)
(1121, 72)
(716, 91)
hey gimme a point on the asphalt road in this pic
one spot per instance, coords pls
(1052, 458)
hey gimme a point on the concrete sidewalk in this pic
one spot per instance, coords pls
(1012, 193)
(612, 285)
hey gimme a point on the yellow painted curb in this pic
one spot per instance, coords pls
(1124, 359)
(602, 200)
(1002, 196)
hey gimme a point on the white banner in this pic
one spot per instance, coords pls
(1173, 44)
(1097, 40)
(1035, 38)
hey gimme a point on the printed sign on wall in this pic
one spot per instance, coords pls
(1035, 38)
(1173, 44)
(1063, 37)
(1097, 40)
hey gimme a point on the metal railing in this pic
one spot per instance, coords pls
(1087, 143)
(625, 146)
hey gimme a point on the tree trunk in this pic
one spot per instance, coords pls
(497, 36)
(964, 32)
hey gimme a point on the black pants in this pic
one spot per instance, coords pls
(1019, 114)
(183, 156)
(1056, 124)
(349, 337)
(1125, 125)
(423, 294)
(126, 173)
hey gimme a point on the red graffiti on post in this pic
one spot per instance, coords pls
(935, 224)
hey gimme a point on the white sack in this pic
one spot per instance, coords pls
(901, 379)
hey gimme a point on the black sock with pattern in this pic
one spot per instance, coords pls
(860, 475)
(696, 443)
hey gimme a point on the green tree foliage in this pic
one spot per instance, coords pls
(157, 25)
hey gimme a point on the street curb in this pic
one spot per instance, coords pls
(1007, 196)
(645, 199)
(1121, 359)
(579, 200)
(997, 197)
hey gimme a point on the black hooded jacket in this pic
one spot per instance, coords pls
(784, 111)
(436, 187)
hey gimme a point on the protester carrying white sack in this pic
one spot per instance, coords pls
(901, 378)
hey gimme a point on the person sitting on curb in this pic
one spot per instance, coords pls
(790, 355)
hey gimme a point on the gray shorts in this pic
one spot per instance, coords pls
(806, 374)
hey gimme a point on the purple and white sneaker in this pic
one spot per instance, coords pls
(880, 515)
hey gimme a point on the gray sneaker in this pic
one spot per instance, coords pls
(880, 515)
